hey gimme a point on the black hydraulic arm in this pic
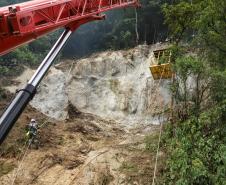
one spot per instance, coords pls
(24, 96)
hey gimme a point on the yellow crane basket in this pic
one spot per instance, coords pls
(163, 68)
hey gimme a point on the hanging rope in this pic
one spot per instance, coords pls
(155, 87)
(136, 26)
(160, 133)
(21, 162)
(157, 154)
(159, 140)
(23, 149)
(67, 81)
(154, 34)
(44, 123)
(69, 72)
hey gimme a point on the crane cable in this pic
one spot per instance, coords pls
(159, 140)
(160, 133)
(136, 26)
(157, 154)
(21, 162)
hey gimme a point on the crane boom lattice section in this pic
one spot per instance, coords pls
(25, 22)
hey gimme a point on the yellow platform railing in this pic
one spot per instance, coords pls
(163, 68)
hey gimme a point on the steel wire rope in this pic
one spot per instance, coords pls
(23, 148)
(157, 153)
(24, 155)
(158, 145)
(154, 109)
(20, 163)
(136, 26)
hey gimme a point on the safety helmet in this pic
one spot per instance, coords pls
(33, 120)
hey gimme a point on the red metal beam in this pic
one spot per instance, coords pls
(22, 23)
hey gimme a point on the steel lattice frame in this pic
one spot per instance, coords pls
(25, 22)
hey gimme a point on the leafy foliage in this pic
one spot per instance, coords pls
(118, 31)
(28, 55)
(192, 84)
(196, 149)
(218, 85)
(179, 18)
(196, 141)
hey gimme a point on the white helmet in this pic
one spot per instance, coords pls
(33, 120)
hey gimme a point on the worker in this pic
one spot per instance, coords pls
(32, 130)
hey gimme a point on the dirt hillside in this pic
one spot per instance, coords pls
(86, 150)
(109, 140)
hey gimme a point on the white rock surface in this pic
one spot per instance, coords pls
(51, 98)
(118, 85)
(114, 85)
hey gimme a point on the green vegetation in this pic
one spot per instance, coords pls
(196, 149)
(195, 141)
(9, 2)
(30, 55)
(118, 31)
(5, 168)
(151, 142)
(128, 167)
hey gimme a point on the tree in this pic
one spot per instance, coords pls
(180, 18)
(192, 84)
(196, 143)
(202, 19)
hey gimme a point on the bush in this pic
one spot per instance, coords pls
(196, 149)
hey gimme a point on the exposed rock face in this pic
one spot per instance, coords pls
(51, 98)
(114, 85)
(88, 149)
(117, 85)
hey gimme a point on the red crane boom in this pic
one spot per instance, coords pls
(22, 23)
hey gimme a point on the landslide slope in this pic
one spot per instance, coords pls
(97, 120)
(114, 85)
